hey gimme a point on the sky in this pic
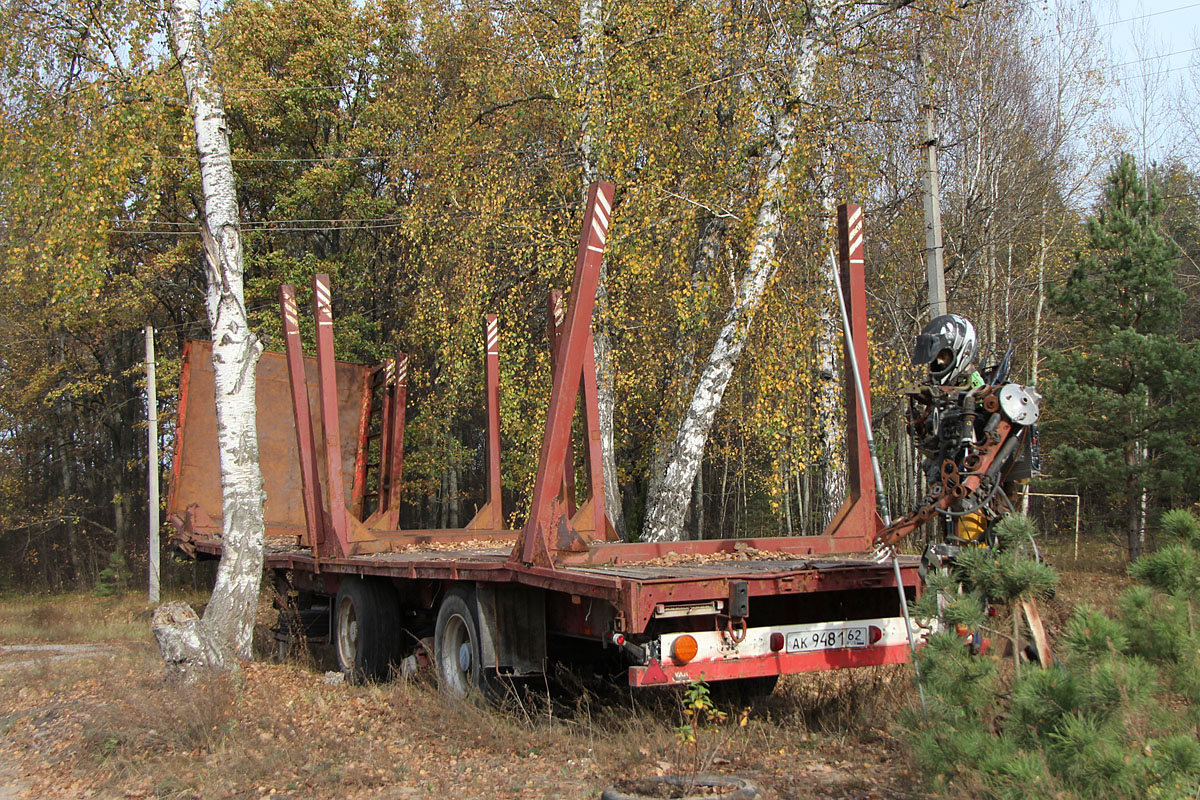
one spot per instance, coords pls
(1143, 76)
(1149, 40)
(1168, 26)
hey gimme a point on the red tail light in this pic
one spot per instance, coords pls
(776, 642)
(874, 634)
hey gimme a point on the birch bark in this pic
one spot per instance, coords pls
(591, 61)
(831, 416)
(680, 372)
(224, 634)
(665, 512)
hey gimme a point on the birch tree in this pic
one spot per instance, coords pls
(591, 62)
(224, 634)
(666, 509)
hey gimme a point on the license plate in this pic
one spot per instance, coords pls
(828, 639)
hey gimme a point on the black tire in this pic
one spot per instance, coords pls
(366, 629)
(457, 657)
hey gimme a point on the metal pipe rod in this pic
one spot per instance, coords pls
(152, 465)
(880, 496)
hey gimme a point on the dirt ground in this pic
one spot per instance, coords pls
(101, 719)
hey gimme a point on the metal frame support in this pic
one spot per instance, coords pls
(338, 519)
(597, 525)
(548, 529)
(556, 315)
(491, 516)
(391, 453)
(310, 481)
(362, 457)
(589, 520)
(857, 517)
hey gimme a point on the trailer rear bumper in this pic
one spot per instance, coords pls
(778, 650)
(658, 674)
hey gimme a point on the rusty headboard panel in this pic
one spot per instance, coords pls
(195, 471)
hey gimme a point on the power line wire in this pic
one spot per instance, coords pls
(1148, 59)
(1100, 25)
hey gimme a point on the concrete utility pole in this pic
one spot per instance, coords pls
(934, 266)
(152, 463)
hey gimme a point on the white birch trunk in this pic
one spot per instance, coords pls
(665, 512)
(831, 413)
(1036, 348)
(591, 61)
(225, 632)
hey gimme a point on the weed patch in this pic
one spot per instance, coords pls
(76, 617)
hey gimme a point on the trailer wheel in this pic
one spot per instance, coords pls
(366, 629)
(456, 646)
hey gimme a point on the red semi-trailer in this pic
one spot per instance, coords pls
(487, 601)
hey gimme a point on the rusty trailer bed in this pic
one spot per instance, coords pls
(333, 473)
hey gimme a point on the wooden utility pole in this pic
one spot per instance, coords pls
(152, 463)
(935, 270)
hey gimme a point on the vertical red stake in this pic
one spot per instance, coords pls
(556, 314)
(396, 436)
(858, 458)
(386, 402)
(358, 493)
(181, 414)
(494, 492)
(539, 537)
(327, 380)
(310, 481)
(591, 403)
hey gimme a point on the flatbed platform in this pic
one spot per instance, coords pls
(636, 587)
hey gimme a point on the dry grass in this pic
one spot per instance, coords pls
(77, 617)
(114, 725)
(117, 726)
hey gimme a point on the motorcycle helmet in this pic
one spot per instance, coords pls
(948, 345)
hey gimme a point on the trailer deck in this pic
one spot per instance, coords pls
(489, 600)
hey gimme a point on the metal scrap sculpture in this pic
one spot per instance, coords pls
(974, 431)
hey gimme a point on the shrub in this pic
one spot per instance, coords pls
(115, 578)
(1116, 717)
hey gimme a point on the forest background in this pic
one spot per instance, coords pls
(432, 156)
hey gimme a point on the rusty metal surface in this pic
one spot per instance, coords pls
(611, 575)
(857, 517)
(491, 515)
(726, 569)
(332, 404)
(314, 508)
(547, 530)
(196, 477)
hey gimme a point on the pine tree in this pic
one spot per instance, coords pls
(1115, 717)
(1122, 390)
